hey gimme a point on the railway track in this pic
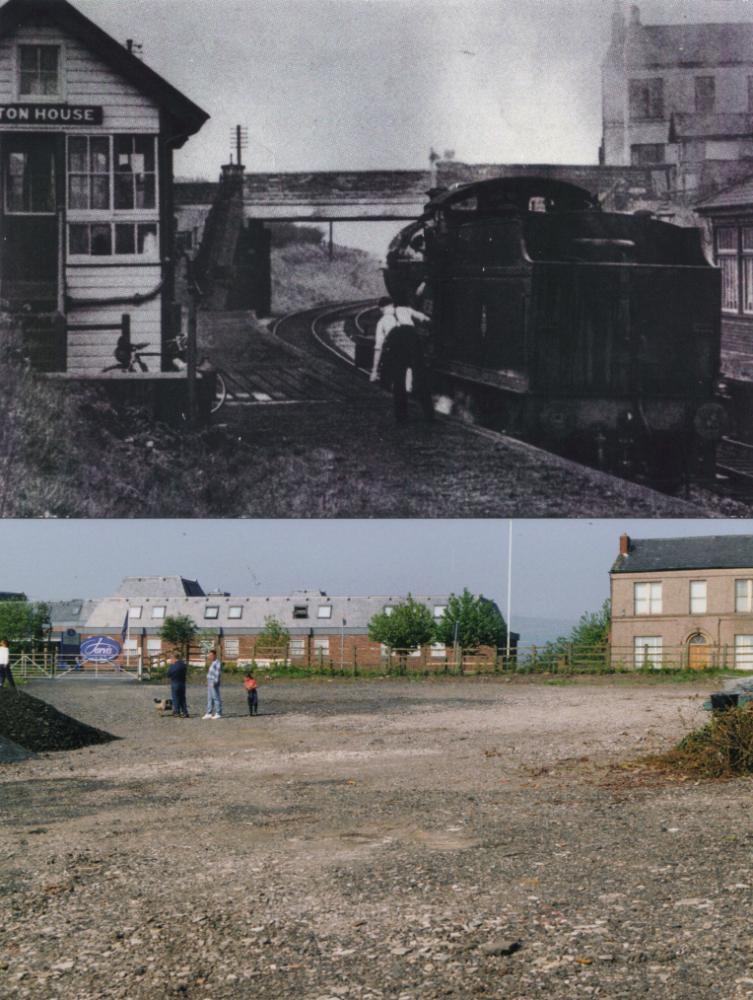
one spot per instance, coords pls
(332, 329)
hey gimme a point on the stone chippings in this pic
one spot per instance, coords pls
(376, 841)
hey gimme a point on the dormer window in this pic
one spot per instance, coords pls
(300, 611)
(325, 611)
(38, 71)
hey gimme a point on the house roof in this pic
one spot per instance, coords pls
(70, 614)
(737, 195)
(187, 117)
(658, 45)
(159, 586)
(108, 614)
(649, 555)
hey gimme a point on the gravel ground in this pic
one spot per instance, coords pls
(375, 840)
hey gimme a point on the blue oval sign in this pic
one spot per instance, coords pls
(100, 649)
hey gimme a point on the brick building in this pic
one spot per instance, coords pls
(683, 601)
(331, 630)
(680, 95)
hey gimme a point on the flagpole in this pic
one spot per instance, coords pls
(509, 587)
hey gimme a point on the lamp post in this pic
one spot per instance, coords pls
(509, 589)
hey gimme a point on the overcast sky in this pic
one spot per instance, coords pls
(560, 567)
(359, 84)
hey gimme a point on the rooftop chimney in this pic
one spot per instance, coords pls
(635, 16)
(624, 544)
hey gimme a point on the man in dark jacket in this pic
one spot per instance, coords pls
(176, 672)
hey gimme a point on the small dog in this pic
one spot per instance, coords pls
(163, 705)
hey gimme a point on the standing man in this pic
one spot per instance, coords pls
(5, 671)
(397, 348)
(214, 702)
(177, 672)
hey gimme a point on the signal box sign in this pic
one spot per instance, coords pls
(50, 114)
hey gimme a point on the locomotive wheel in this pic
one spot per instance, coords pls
(556, 421)
(710, 421)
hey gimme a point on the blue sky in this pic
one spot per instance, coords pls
(560, 567)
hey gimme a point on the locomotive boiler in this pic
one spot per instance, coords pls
(596, 334)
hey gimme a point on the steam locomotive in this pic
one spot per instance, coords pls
(593, 333)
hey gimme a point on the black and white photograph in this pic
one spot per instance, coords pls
(342, 258)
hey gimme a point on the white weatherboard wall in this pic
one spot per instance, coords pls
(88, 80)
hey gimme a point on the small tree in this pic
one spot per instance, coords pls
(273, 638)
(472, 622)
(405, 627)
(179, 631)
(593, 627)
(24, 624)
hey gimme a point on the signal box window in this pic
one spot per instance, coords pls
(135, 172)
(647, 99)
(39, 70)
(321, 646)
(134, 611)
(297, 647)
(235, 611)
(89, 172)
(324, 611)
(29, 182)
(158, 611)
(212, 611)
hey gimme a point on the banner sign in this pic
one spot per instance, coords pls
(100, 649)
(50, 114)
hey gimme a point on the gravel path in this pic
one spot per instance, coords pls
(375, 840)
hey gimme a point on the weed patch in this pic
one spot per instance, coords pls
(723, 748)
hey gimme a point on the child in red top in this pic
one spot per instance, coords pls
(251, 694)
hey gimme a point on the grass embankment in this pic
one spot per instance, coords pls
(70, 453)
(303, 276)
(66, 453)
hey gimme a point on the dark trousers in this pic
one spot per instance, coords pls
(178, 693)
(253, 703)
(403, 350)
(5, 673)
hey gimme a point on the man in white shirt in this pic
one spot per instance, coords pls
(5, 671)
(391, 317)
(399, 352)
(214, 701)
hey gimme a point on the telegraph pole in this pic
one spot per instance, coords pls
(239, 139)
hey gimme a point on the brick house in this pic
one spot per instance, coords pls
(679, 95)
(683, 602)
(323, 629)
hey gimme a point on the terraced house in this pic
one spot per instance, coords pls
(683, 602)
(321, 628)
(87, 135)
